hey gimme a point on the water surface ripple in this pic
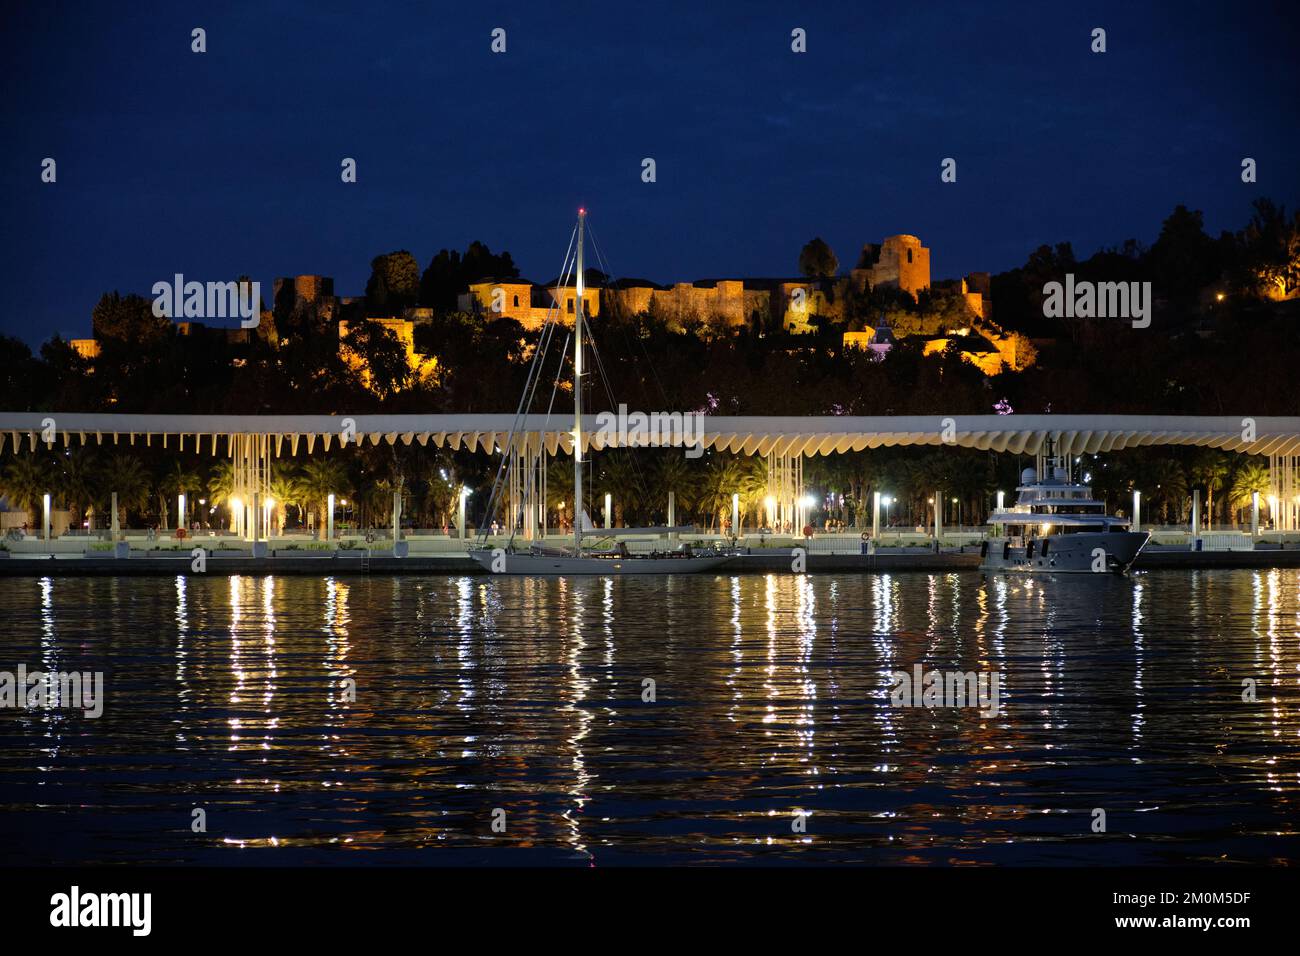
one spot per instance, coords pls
(233, 695)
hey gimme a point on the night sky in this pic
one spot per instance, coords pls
(228, 162)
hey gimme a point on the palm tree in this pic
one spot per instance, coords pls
(559, 487)
(126, 476)
(1112, 483)
(25, 482)
(320, 478)
(834, 475)
(973, 482)
(177, 480)
(863, 474)
(1209, 470)
(927, 478)
(382, 474)
(618, 477)
(221, 483)
(221, 486)
(899, 480)
(723, 477)
(678, 474)
(1170, 484)
(1250, 478)
(79, 482)
(437, 499)
(286, 491)
(751, 485)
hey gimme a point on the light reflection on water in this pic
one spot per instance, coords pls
(310, 717)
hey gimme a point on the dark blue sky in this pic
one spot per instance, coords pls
(228, 162)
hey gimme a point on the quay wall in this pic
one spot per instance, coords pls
(766, 561)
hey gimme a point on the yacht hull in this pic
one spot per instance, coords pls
(505, 562)
(1083, 553)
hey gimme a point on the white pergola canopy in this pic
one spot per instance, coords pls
(1074, 434)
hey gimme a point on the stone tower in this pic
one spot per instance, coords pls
(900, 262)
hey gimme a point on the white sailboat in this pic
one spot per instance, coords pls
(618, 560)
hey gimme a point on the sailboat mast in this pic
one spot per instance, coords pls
(577, 397)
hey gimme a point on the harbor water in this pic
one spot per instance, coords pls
(717, 718)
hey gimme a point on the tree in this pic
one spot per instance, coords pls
(286, 491)
(449, 274)
(175, 480)
(79, 482)
(1272, 249)
(1045, 264)
(221, 483)
(1250, 478)
(437, 499)
(67, 380)
(559, 488)
(386, 368)
(726, 475)
(1169, 487)
(128, 319)
(618, 476)
(320, 478)
(135, 365)
(25, 482)
(675, 473)
(817, 261)
(1183, 258)
(394, 283)
(126, 476)
(1209, 470)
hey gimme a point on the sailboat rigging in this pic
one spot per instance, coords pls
(541, 560)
